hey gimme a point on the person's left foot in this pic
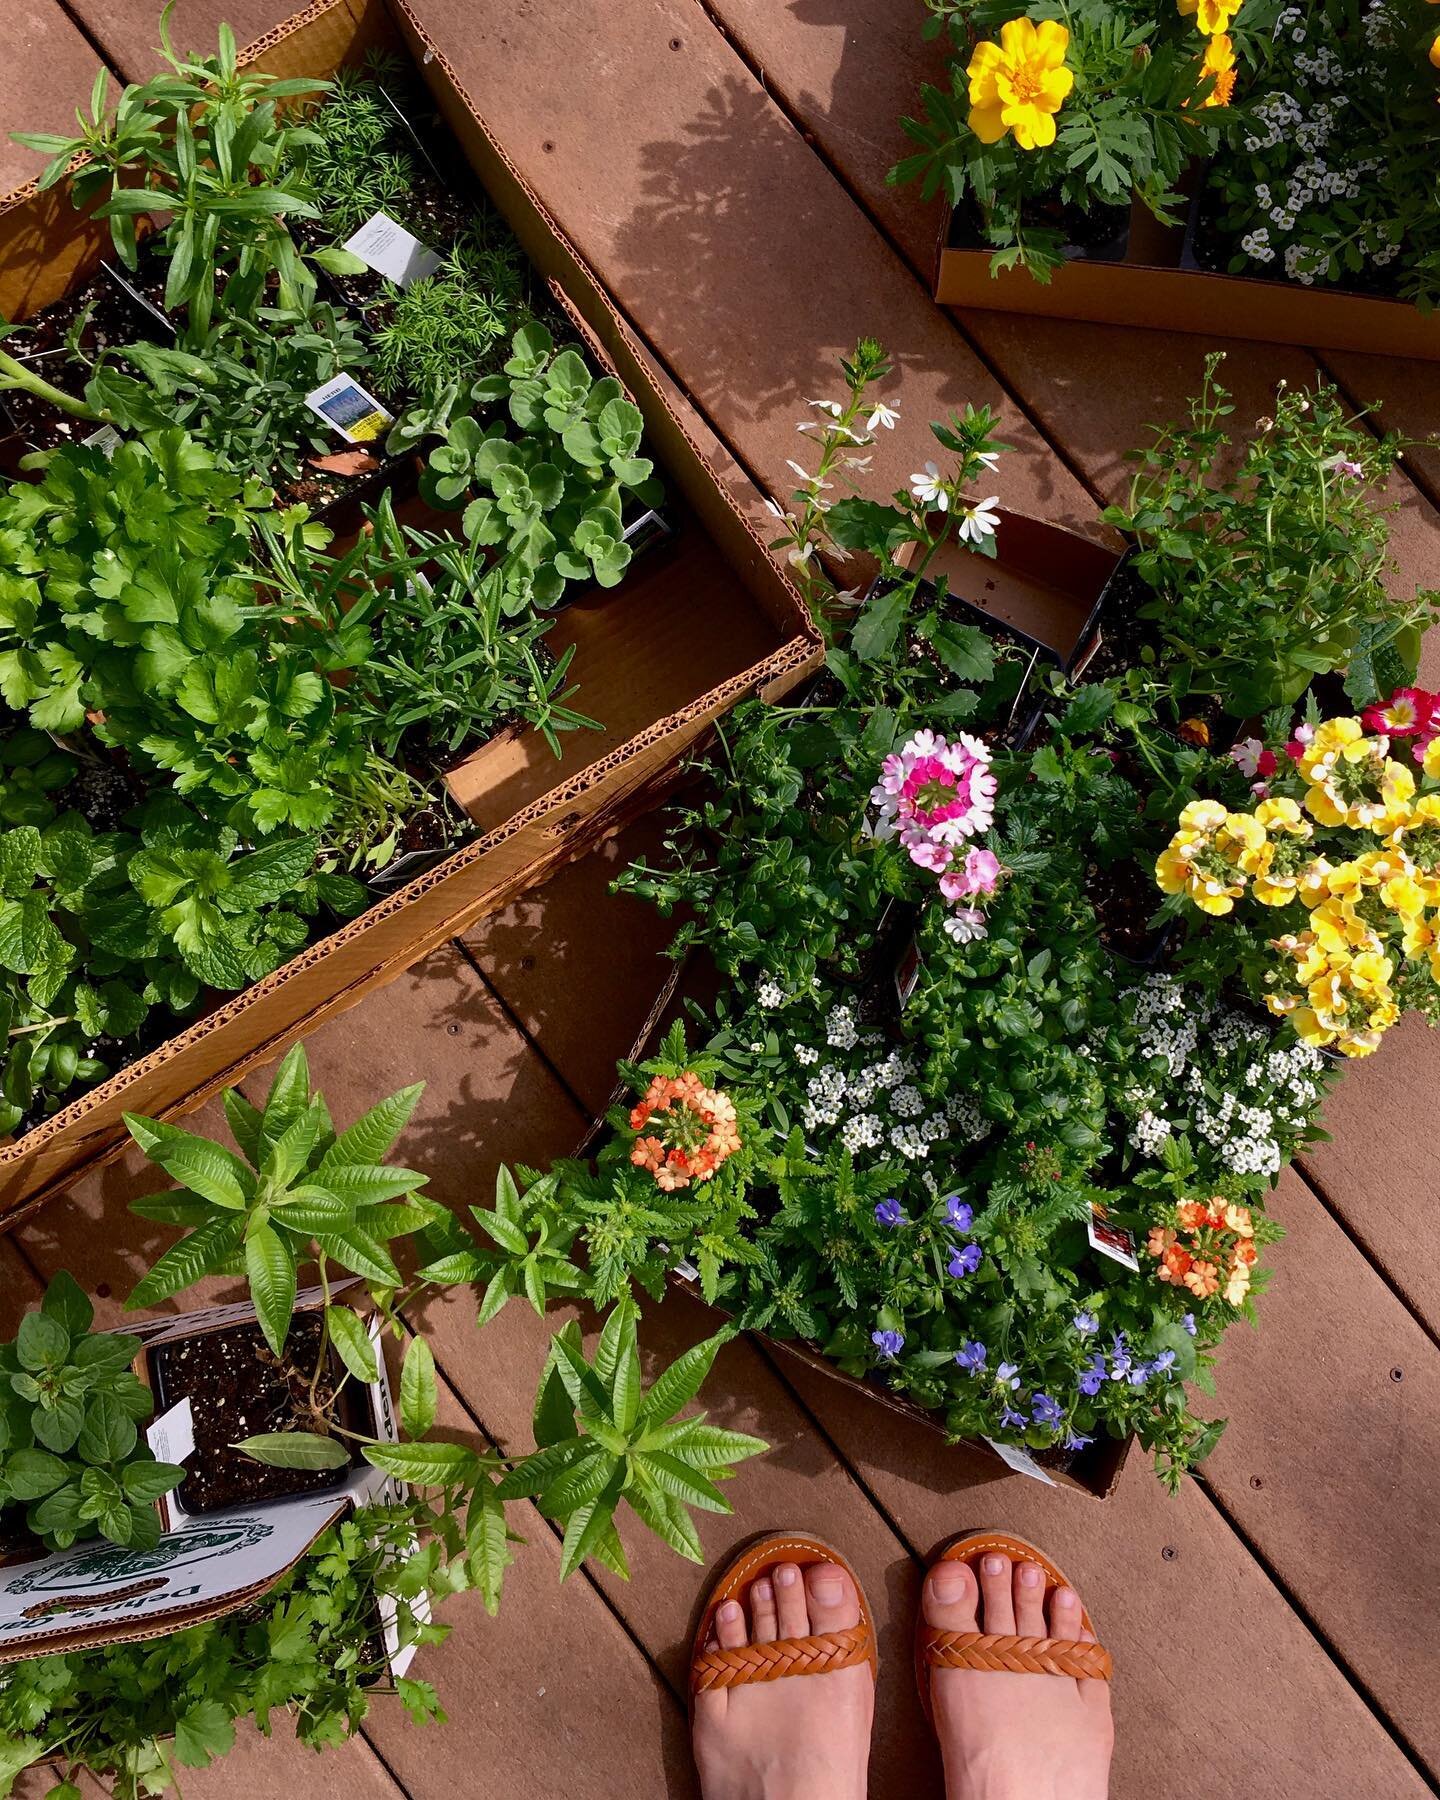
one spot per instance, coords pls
(803, 1737)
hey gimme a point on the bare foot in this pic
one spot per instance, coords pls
(1015, 1737)
(804, 1737)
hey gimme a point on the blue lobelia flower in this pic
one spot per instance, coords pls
(959, 1213)
(1045, 1411)
(1086, 1323)
(964, 1261)
(889, 1212)
(888, 1343)
(971, 1357)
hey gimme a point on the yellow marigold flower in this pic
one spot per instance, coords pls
(1019, 84)
(1219, 62)
(1435, 50)
(1211, 16)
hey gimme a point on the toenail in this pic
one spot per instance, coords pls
(994, 1565)
(947, 1582)
(1066, 1597)
(787, 1577)
(730, 1611)
(1030, 1574)
(828, 1582)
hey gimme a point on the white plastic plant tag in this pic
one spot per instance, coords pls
(1112, 1241)
(688, 1270)
(392, 251)
(352, 410)
(1021, 1461)
(172, 1436)
(907, 973)
(107, 438)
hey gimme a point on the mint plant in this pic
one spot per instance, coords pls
(70, 1415)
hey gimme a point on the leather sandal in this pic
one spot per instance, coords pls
(819, 1654)
(992, 1651)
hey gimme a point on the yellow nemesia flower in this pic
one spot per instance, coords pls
(1353, 782)
(1019, 84)
(1275, 864)
(1204, 860)
(1431, 764)
(1219, 62)
(1212, 16)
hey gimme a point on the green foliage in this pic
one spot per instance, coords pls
(308, 1649)
(551, 499)
(209, 147)
(1132, 122)
(297, 1192)
(1350, 91)
(71, 1453)
(1272, 575)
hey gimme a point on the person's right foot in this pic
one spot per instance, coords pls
(1015, 1737)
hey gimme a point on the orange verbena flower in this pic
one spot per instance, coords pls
(684, 1130)
(1211, 1244)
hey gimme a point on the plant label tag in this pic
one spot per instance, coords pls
(688, 1270)
(172, 1436)
(351, 409)
(392, 251)
(1112, 1241)
(1016, 1457)
(907, 972)
(107, 438)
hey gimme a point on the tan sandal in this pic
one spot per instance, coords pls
(936, 1649)
(820, 1654)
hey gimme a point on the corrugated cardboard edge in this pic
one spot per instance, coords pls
(1195, 300)
(575, 833)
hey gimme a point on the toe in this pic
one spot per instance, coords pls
(951, 1598)
(730, 1625)
(997, 1612)
(1028, 1598)
(831, 1597)
(764, 1628)
(792, 1617)
(1067, 1617)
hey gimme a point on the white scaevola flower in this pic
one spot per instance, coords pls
(778, 511)
(928, 488)
(811, 481)
(833, 407)
(800, 555)
(978, 521)
(989, 460)
(884, 414)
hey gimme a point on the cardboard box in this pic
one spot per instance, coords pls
(658, 678)
(203, 1567)
(1169, 298)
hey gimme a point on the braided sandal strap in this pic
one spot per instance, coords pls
(1016, 1655)
(818, 1655)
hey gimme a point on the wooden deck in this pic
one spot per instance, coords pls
(724, 164)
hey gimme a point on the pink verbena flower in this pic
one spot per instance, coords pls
(933, 793)
(978, 874)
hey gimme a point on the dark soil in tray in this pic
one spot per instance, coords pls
(1124, 635)
(18, 1544)
(1124, 896)
(102, 792)
(238, 1389)
(114, 319)
(1093, 234)
(1210, 247)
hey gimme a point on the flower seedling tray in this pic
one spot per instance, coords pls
(1152, 290)
(706, 622)
(1095, 1470)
